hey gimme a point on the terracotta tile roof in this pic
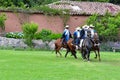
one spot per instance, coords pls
(87, 8)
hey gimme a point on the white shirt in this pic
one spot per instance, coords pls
(92, 32)
(66, 32)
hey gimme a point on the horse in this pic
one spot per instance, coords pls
(59, 45)
(72, 48)
(90, 45)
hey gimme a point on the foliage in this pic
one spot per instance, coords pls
(55, 36)
(8, 3)
(93, 0)
(115, 1)
(65, 16)
(2, 21)
(16, 35)
(107, 26)
(48, 11)
(46, 35)
(27, 3)
(29, 30)
(33, 3)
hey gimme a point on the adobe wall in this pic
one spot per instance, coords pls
(54, 23)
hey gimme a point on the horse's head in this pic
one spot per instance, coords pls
(88, 33)
(96, 39)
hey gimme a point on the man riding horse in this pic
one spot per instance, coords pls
(64, 41)
(83, 34)
(90, 43)
(76, 37)
(66, 35)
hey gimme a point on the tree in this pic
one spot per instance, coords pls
(107, 26)
(29, 30)
(2, 21)
(114, 1)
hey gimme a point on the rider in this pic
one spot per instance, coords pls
(91, 28)
(66, 35)
(83, 34)
(93, 32)
(76, 36)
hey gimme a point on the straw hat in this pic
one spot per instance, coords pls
(67, 26)
(92, 26)
(85, 27)
(78, 28)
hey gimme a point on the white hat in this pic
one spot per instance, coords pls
(67, 26)
(85, 27)
(91, 25)
(78, 28)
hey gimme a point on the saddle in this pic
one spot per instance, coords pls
(63, 42)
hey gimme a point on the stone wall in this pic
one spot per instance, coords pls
(19, 43)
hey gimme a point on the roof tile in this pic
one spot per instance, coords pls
(88, 8)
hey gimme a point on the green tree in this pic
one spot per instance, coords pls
(107, 26)
(29, 30)
(2, 21)
(115, 1)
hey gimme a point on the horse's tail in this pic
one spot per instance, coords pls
(54, 48)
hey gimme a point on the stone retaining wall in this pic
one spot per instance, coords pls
(19, 43)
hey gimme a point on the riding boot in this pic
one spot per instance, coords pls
(63, 42)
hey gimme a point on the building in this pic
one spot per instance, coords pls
(79, 13)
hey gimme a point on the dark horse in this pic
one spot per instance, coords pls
(90, 45)
(59, 45)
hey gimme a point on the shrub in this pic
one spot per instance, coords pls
(107, 26)
(46, 35)
(29, 30)
(55, 36)
(2, 21)
(16, 35)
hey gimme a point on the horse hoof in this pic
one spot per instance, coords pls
(88, 61)
(95, 57)
(84, 60)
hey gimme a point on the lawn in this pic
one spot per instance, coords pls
(44, 65)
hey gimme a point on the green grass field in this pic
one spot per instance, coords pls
(44, 65)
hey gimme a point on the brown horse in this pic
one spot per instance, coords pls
(96, 47)
(59, 45)
(72, 48)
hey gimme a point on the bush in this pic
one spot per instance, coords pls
(16, 35)
(46, 35)
(2, 21)
(29, 30)
(55, 36)
(107, 26)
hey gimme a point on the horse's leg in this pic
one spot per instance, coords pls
(83, 54)
(99, 55)
(88, 55)
(95, 54)
(58, 51)
(67, 52)
(74, 54)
